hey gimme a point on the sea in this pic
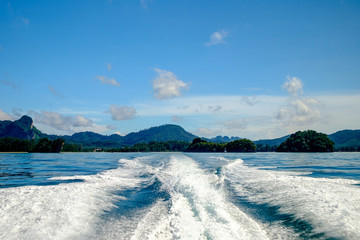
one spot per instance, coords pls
(180, 196)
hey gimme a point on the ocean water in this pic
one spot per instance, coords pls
(180, 196)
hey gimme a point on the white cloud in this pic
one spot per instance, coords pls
(166, 85)
(122, 112)
(53, 119)
(109, 81)
(80, 121)
(62, 124)
(119, 133)
(5, 116)
(299, 111)
(293, 86)
(218, 38)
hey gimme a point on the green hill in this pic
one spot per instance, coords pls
(346, 140)
(22, 129)
(168, 132)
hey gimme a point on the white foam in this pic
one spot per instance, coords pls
(199, 208)
(64, 211)
(331, 206)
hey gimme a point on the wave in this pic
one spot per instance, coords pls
(198, 208)
(65, 211)
(175, 196)
(330, 206)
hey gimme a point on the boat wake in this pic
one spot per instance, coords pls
(176, 198)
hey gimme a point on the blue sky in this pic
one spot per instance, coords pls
(254, 69)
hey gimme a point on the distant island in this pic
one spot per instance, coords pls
(21, 136)
(307, 141)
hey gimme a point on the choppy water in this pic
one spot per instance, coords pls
(180, 196)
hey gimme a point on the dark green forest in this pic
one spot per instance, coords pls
(241, 145)
(154, 146)
(24, 137)
(307, 141)
(42, 145)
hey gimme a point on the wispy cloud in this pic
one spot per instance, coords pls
(166, 85)
(20, 22)
(5, 116)
(53, 91)
(120, 113)
(109, 66)
(218, 37)
(176, 119)
(108, 81)
(10, 84)
(145, 3)
(17, 112)
(215, 105)
(25, 21)
(17, 21)
(206, 132)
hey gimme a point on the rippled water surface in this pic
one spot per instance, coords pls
(180, 196)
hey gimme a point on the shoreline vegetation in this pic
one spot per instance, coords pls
(306, 141)
(22, 136)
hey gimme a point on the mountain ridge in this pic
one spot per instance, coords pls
(23, 128)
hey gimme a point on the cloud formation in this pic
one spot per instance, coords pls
(166, 85)
(65, 123)
(10, 84)
(218, 37)
(109, 81)
(293, 86)
(205, 132)
(299, 111)
(17, 112)
(5, 116)
(53, 91)
(120, 113)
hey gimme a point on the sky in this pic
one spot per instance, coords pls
(245, 68)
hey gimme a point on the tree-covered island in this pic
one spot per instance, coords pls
(307, 141)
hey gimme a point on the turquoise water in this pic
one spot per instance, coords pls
(180, 196)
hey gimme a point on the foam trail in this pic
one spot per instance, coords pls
(198, 208)
(65, 211)
(331, 206)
